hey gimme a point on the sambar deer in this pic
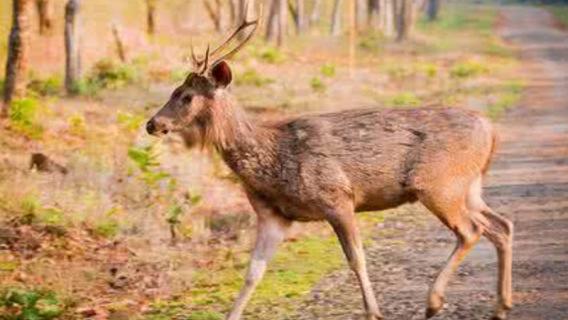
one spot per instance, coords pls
(330, 166)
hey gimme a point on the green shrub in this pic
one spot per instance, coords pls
(205, 315)
(77, 125)
(404, 99)
(107, 228)
(467, 69)
(26, 304)
(46, 87)
(317, 84)
(107, 74)
(372, 41)
(146, 160)
(23, 114)
(129, 121)
(251, 78)
(272, 55)
(328, 70)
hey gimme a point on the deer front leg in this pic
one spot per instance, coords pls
(345, 226)
(271, 229)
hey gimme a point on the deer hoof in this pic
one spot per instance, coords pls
(434, 307)
(375, 317)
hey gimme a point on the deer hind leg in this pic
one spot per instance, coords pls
(449, 206)
(271, 230)
(498, 230)
(345, 226)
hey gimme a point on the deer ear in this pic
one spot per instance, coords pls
(221, 74)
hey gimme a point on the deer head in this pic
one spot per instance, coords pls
(192, 104)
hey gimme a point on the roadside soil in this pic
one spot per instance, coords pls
(528, 183)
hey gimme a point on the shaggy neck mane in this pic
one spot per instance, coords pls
(227, 125)
(244, 146)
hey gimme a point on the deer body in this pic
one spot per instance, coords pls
(329, 166)
(377, 158)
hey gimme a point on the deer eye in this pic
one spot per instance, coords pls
(186, 99)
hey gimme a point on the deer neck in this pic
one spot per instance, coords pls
(247, 148)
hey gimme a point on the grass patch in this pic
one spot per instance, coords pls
(403, 99)
(24, 117)
(317, 85)
(507, 98)
(252, 78)
(29, 304)
(560, 12)
(50, 86)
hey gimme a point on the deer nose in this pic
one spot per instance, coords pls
(151, 127)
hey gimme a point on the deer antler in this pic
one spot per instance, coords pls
(203, 64)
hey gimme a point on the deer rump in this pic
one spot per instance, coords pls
(377, 158)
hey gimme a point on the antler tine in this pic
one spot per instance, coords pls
(205, 60)
(242, 44)
(196, 61)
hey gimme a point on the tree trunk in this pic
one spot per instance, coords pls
(336, 18)
(120, 51)
(18, 48)
(360, 9)
(277, 23)
(353, 14)
(271, 22)
(72, 45)
(151, 16)
(45, 15)
(316, 12)
(373, 13)
(404, 19)
(388, 13)
(282, 22)
(214, 11)
(432, 9)
(232, 12)
(300, 16)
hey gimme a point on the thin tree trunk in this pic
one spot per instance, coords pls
(18, 48)
(360, 10)
(352, 34)
(151, 16)
(271, 23)
(119, 43)
(336, 18)
(404, 19)
(433, 9)
(316, 12)
(45, 15)
(373, 13)
(72, 45)
(282, 22)
(214, 11)
(232, 12)
(299, 15)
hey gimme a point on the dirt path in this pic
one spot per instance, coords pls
(528, 182)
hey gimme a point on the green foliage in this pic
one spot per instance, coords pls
(146, 160)
(404, 99)
(328, 70)
(23, 114)
(251, 78)
(205, 315)
(272, 55)
(507, 99)
(399, 72)
(453, 18)
(25, 304)
(107, 227)
(467, 69)
(560, 12)
(317, 85)
(77, 125)
(130, 122)
(107, 74)
(372, 42)
(46, 87)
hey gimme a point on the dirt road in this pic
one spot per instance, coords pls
(528, 182)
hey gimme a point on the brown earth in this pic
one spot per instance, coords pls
(528, 183)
